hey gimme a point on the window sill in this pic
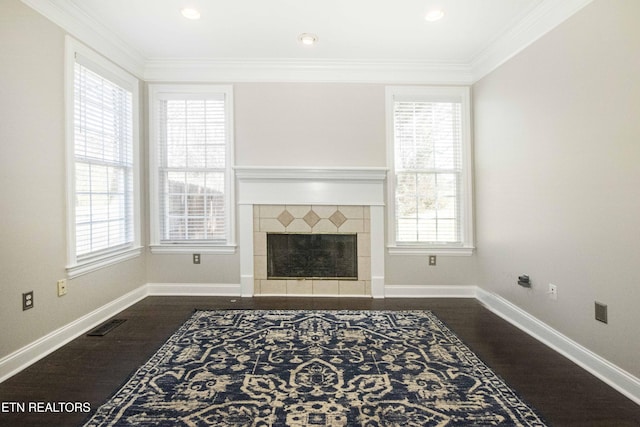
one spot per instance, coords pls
(106, 260)
(190, 249)
(426, 250)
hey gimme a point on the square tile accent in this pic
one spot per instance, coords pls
(311, 218)
(271, 225)
(337, 218)
(285, 218)
(325, 211)
(355, 287)
(271, 211)
(300, 287)
(298, 211)
(325, 226)
(352, 212)
(298, 226)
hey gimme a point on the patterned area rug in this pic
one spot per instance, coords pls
(314, 368)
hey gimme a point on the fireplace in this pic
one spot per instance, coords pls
(302, 236)
(312, 256)
(314, 201)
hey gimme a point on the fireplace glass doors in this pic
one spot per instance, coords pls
(312, 256)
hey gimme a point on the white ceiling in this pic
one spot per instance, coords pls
(360, 29)
(359, 36)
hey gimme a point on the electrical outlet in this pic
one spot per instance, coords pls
(27, 300)
(196, 258)
(601, 312)
(524, 281)
(62, 287)
(432, 260)
(553, 291)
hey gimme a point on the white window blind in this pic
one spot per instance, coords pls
(429, 172)
(430, 207)
(103, 163)
(193, 172)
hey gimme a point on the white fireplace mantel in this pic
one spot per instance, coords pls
(310, 186)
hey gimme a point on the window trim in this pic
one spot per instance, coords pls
(173, 90)
(79, 265)
(426, 93)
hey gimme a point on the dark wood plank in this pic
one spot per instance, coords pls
(90, 369)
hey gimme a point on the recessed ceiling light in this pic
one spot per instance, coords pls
(190, 13)
(307, 39)
(434, 15)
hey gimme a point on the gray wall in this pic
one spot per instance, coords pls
(285, 124)
(32, 188)
(310, 125)
(557, 146)
(556, 135)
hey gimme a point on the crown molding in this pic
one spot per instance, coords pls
(92, 33)
(539, 21)
(542, 19)
(306, 70)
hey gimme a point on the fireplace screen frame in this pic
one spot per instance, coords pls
(274, 271)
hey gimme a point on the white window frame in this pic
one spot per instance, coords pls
(201, 91)
(79, 265)
(427, 93)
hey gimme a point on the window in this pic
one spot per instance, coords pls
(191, 158)
(102, 161)
(429, 159)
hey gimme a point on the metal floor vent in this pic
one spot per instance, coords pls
(105, 328)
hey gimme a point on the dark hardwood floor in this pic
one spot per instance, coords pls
(90, 369)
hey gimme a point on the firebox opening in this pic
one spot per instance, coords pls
(312, 256)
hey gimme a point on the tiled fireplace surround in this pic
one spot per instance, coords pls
(311, 200)
(311, 219)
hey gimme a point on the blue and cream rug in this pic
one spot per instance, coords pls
(314, 368)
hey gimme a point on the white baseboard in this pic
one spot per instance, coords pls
(193, 289)
(614, 376)
(414, 291)
(24, 357)
(31, 353)
(611, 374)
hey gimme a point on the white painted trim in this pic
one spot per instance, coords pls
(420, 291)
(161, 92)
(421, 250)
(376, 229)
(31, 353)
(606, 371)
(245, 237)
(78, 52)
(193, 289)
(306, 70)
(263, 185)
(72, 19)
(544, 18)
(612, 375)
(310, 186)
(190, 249)
(377, 285)
(259, 173)
(461, 94)
(108, 259)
